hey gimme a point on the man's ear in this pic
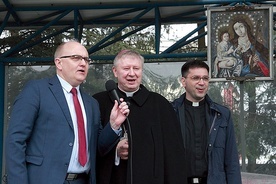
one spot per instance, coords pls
(114, 71)
(58, 63)
(183, 81)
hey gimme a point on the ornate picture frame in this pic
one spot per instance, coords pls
(240, 43)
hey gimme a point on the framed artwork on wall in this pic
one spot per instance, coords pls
(240, 42)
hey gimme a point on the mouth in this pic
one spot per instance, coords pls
(81, 71)
(200, 90)
(131, 80)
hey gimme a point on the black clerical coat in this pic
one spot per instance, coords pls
(156, 149)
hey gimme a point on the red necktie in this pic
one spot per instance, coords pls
(81, 132)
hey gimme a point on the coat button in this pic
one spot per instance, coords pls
(70, 144)
(215, 129)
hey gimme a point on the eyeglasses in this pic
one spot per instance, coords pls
(197, 78)
(78, 58)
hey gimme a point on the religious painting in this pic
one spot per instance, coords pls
(240, 42)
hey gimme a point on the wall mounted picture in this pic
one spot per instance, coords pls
(240, 42)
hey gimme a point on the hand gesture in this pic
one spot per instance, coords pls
(122, 149)
(118, 114)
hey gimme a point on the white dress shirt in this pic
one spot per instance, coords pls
(74, 165)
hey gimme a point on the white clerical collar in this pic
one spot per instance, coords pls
(195, 104)
(129, 94)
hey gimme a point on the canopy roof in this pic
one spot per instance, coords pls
(66, 14)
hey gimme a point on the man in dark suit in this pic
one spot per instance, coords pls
(43, 143)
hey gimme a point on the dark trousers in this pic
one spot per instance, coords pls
(78, 181)
(199, 180)
(82, 179)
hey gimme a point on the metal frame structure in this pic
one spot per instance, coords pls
(120, 13)
(77, 15)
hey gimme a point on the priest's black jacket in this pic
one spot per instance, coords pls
(156, 153)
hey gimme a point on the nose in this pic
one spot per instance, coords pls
(201, 81)
(131, 71)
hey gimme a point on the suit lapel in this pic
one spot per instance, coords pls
(57, 91)
(88, 110)
(181, 112)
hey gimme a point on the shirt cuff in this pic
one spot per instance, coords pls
(118, 132)
(117, 158)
